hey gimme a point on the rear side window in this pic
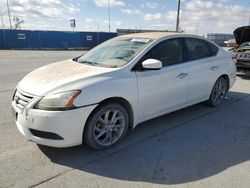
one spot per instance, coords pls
(197, 48)
(169, 52)
(213, 49)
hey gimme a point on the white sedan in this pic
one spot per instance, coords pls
(96, 97)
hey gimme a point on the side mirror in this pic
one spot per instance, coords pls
(152, 64)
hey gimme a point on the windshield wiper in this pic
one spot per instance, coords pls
(89, 62)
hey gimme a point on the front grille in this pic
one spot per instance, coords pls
(243, 64)
(245, 56)
(22, 99)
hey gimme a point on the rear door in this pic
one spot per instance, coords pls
(204, 68)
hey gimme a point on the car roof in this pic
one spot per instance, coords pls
(150, 35)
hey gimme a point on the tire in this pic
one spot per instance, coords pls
(107, 126)
(218, 93)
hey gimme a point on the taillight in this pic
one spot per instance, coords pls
(234, 57)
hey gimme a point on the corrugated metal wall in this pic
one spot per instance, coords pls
(26, 39)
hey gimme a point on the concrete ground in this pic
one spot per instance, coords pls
(198, 146)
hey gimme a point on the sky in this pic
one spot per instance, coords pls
(196, 16)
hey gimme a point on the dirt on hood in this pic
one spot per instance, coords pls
(54, 75)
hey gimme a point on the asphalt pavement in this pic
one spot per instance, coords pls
(198, 146)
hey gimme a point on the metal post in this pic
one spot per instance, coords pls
(2, 21)
(8, 8)
(40, 42)
(178, 16)
(98, 35)
(109, 13)
(4, 40)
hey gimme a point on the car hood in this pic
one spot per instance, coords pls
(242, 34)
(51, 77)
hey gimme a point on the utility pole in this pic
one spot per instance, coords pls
(249, 19)
(98, 27)
(197, 28)
(8, 8)
(109, 13)
(178, 17)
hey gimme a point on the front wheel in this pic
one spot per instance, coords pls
(106, 126)
(219, 92)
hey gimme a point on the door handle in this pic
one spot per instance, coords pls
(213, 68)
(182, 75)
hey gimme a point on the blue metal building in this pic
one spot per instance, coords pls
(27, 39)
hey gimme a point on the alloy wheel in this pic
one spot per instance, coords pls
(219, 91)
(109, 127)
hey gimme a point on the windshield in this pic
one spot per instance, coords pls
(114, 53)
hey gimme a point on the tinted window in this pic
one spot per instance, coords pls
(169, 52)
(197, 48)
(213, 49)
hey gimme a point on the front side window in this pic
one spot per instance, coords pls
(114, 53)
(169, 52)
(197, 48)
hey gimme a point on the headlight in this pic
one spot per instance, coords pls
(58, 101)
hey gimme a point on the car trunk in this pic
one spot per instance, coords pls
(242, 34)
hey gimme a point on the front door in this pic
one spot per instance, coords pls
(164, 90)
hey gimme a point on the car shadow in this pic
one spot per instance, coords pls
(180, 147)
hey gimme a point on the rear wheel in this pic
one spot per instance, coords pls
(107, 126)
(219, 92)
